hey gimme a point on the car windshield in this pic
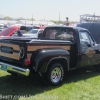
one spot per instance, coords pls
(32, 32)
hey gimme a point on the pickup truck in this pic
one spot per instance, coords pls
(59, 50)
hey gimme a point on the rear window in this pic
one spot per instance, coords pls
(59, 33)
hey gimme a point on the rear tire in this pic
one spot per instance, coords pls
(55, 74)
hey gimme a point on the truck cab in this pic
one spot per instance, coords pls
(84, 49)
(60, 49)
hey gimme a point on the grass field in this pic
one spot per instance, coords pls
(78, 85)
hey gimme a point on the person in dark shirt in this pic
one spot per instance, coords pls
(19, 33)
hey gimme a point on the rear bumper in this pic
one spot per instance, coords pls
(15, 69)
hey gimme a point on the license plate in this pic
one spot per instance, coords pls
(3, 67)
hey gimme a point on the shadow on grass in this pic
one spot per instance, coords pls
(81, 74)
(32, 85)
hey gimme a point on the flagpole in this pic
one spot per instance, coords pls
(59, 18)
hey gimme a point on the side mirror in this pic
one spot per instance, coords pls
(88, 44)
(94, 43)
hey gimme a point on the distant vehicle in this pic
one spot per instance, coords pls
(34, 33)
(25, 29)
(39, 27)
(2, 27)
(9, 31)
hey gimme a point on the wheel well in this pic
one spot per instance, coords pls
(62, 61)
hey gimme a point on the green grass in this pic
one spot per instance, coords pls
(78, 85)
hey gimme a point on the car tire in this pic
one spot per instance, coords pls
(55, 74)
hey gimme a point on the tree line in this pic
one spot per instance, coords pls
(21, 18)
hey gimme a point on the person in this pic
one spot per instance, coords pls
(19, 33)
(40, 33)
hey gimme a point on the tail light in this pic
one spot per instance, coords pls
(27, 62)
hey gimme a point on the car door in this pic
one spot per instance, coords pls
(89, 50)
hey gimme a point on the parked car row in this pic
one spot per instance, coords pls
(12, 31)
(2, 27)
(34, 33)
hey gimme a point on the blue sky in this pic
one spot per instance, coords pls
(49, 9)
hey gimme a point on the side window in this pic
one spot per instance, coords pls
(84, 37)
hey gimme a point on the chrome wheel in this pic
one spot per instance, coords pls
(56, 75)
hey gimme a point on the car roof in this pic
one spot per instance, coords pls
(36, 29)
(63, 26)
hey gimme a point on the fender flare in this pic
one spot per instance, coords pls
(56, 58)
(45, 56)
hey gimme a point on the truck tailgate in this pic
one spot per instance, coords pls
(10, 51)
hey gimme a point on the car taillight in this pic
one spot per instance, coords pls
(27, 62)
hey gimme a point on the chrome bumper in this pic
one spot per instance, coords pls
(16, 69)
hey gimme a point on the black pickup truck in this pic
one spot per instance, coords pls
(59, 50)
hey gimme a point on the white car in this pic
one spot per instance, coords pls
(34, 33)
